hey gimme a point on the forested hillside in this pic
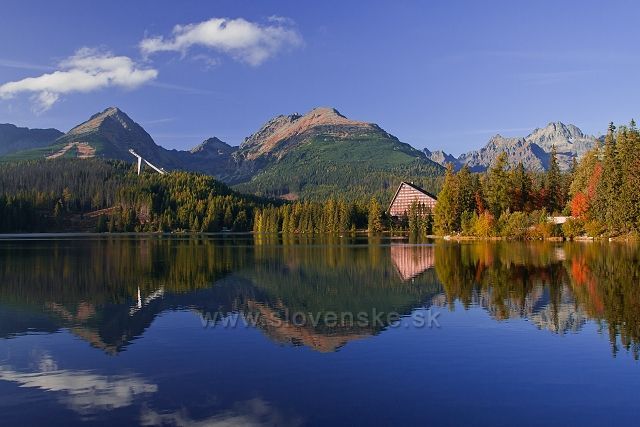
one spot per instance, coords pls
(91, 194)
(355, 168)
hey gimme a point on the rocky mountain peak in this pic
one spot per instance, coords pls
(556, 130)
(564, 137)
(499, 142)
(282, 129)
(533, 150)
(111, 133)
(111, 111)
(325, 112)
(440, 157)
(111, 114)
(212, 145)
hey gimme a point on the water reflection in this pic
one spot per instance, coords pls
(81, 391)
(254, 412)
(557, 287)
(411, 260)
(109, 291)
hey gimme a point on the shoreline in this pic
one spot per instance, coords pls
(390, 234)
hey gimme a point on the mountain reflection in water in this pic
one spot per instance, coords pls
(139, 330)
(108, 291)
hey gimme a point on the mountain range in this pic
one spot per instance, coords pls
(312, 155)
(533, 150)
(13, 138)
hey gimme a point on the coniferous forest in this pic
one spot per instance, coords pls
(96, 195)
(600, 195)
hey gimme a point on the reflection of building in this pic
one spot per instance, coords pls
(412, 260)
(407, 194)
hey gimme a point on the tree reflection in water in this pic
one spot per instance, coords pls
(108, 290)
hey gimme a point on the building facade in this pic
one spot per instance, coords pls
(408, 193)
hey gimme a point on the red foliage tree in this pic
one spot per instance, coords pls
(579, 205)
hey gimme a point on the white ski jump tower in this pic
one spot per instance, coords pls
(140, 160)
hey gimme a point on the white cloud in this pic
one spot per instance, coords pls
(81, 391)
(86, 71)
(245, 41)
(253, 413)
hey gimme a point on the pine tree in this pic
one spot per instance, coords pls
(375, 216)
(466, 189)
(520, 191)
(497, 186)
(344, 216)
(553, 184)
(605, 208)
(413, 218)
(445, 216)
(228, 217)
(628, 197)
(257, 222)
(101, 225)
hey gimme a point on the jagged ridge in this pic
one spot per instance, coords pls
(533, 150)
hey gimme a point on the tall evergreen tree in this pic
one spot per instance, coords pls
(520, 188)
(466, 191)
(375, 216)
(606, 209)
(628, 198)
(497, 186)
(445, 219)
(553, 184)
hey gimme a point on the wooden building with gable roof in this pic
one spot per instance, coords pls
(408, 193)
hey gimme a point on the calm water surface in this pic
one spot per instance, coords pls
(237, 330)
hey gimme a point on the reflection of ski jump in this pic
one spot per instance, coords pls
(140, 160)
(141, 303)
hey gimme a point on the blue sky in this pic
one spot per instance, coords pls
(437, 74)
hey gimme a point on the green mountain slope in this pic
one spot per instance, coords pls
(324, 154)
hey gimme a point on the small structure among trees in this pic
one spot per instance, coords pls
(407, 195)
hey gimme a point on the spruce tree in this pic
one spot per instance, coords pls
(553, 184)
(375, 216)
(445, 218)
(497, 186)
(466, 190)
(520, 188)
(606, 209)
(628, 200)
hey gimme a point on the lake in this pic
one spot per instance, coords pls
(266, 330)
